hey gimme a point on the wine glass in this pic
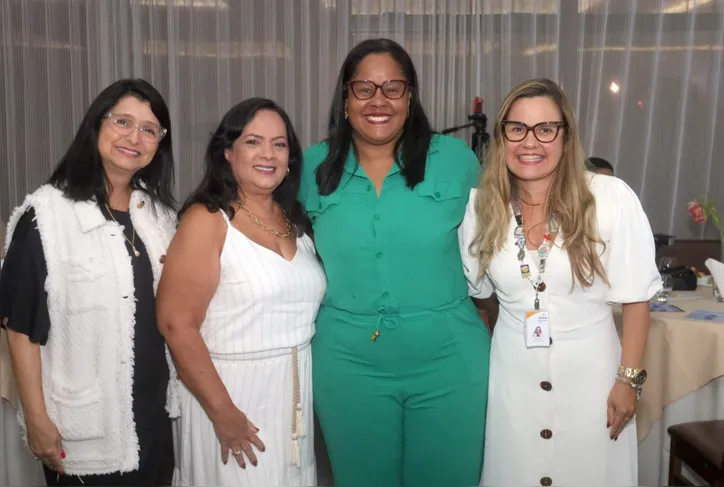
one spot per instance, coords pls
(668, 287)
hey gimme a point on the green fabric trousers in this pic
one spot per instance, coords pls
(409, 407)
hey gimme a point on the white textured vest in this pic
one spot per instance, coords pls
(87, 363)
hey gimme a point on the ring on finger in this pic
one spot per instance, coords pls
(236, 451)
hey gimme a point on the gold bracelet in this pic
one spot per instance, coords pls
(639, 389)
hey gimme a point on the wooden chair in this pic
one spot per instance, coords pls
(699, 445)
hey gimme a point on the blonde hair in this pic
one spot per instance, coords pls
(569, 193)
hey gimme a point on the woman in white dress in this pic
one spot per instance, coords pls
(558, 246)
(237, 303)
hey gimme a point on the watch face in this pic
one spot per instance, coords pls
(640, 377)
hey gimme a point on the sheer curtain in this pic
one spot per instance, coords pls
(645, 76)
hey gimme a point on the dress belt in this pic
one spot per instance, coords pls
(298, 429)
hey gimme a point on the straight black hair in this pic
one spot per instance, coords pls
(219, 189)
(80, 174)
(411, 148)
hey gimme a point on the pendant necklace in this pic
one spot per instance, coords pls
(544, 249)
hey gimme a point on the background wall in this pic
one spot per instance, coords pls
(644, 76)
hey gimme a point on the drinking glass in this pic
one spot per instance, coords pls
(718, 295)
(668, 286)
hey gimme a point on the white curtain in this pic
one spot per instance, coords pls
(644, 76)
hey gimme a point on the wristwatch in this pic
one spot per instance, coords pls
(636, 376)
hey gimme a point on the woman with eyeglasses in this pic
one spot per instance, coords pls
(400, 353)
(77, 295)
(558, 245)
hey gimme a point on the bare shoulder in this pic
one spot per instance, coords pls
(191, 269)
(200, 232)
(200, 222)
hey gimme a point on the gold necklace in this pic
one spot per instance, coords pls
(131, 242)
(530, 204)
(288, 234)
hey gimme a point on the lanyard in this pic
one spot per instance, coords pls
(544, 249)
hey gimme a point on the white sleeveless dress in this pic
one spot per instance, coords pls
(257, 328)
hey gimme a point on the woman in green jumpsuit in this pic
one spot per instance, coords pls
(400, 356)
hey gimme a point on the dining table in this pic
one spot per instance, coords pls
(684, 359)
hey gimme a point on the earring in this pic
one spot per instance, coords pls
(287, 171)
(346, 115)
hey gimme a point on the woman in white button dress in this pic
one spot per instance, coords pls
(237, 304)
(557, 415)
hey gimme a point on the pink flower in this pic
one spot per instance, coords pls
(696, 212)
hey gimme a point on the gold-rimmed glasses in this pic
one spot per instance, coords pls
(125, 125)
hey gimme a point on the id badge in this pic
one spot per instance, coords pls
(537, 329)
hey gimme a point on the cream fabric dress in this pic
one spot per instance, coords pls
(257, 328)
(546, 420)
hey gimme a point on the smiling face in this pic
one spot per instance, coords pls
(530, 159)
(380, 119)
(125, 152)
(259, 157)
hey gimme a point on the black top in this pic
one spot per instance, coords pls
(24, 301)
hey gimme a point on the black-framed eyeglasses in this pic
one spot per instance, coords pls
(393, 89)
(545, 132)
(125, 125)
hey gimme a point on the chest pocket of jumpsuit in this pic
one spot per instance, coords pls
(319, 204)
(441, 205)
(335, 210)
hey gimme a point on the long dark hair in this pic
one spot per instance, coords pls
(80, 174)
(219, 188)
(410, 149)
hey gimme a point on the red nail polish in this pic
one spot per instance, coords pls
(62, 454)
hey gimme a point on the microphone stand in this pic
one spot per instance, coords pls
(480, 136)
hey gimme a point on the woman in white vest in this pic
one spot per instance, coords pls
(237, 304)
(77, 295)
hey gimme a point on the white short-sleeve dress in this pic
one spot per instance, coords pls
(546, 420)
